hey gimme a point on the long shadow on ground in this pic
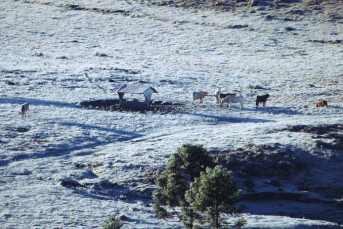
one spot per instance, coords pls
(275, 110)
(130, 135)
(20, 100)
(231, 119)
(77, 145)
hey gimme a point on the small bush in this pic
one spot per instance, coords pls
(101, 54)
(38, 54)
(240, 223)
(113, 222)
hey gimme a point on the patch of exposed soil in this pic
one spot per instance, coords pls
(288, 9)
(317, 130)
(291, 175)
(327, 137)
(263, 160)
(134, 106)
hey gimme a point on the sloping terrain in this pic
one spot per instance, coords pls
(69, 166)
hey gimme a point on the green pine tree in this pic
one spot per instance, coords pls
(213, 194)
(182, 168)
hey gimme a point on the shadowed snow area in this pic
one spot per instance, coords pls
(68, 166)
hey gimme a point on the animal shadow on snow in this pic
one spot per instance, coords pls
(232, 119)
(275, 110)
(335, 107)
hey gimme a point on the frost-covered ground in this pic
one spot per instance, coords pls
(70, 167)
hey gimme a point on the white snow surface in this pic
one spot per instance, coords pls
(45, 50)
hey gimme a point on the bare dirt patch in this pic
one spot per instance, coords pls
(134, 106)
(292, 175)
(326, 137)
(288, 9)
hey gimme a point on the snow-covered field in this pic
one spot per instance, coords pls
(66, 166)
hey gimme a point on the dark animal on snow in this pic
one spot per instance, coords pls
(262, 99)
(219, 95)
(223, 95)
(322, 103)
(24, 110)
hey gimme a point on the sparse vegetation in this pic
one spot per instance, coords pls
(38, 54)
(101, 54)
(240, 223)
(113, 222)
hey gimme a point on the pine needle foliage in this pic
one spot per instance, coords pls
(182, 168)
(213, 194)
(113, 222)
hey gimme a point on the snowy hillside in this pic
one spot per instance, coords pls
(68, 166)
